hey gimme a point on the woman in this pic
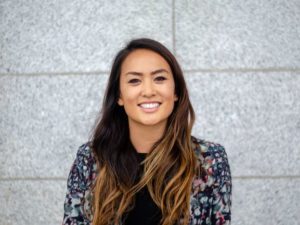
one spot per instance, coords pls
(142, 165)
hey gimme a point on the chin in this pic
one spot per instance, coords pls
(152, 123)
(149, 123)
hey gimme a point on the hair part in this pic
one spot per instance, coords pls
(172, 156)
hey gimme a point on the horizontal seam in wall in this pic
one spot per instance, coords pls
(224, 70)
(267, 177)
(32, 178)
(71, 73)
(64, 178)
(244, 70)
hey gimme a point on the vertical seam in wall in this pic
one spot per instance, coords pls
(173, 27)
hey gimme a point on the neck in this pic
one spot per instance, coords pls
(143, 137)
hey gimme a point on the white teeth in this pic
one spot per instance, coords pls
(149, 105)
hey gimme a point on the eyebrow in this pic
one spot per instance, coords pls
(152, 73)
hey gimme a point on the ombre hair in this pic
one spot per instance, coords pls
(172, 156)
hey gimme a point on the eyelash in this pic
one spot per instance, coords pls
(133, 81)
(163, 78)
(160, 78)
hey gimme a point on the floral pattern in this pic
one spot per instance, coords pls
(210, 201)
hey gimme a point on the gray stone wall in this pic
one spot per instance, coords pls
(241, 62)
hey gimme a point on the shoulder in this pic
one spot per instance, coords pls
(78, 197)
(211, 187)
(85, 153)
(85, 156)
(207, 150)
(207, 147)
(83, 170)
(212, 163)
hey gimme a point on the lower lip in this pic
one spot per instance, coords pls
(149, 110)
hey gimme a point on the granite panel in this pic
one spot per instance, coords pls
(32, 202)
(44, 120)
(266, 201)
(75, 35)
(237, 34)
(254, 115)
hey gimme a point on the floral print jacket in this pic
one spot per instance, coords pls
(210, 201)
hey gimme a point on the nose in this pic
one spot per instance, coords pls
(148, 89)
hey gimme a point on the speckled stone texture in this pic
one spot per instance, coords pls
(33, 202)
(238, 34)
(254, 115)
(54, 36)
(241, 62)
(43, 121)
(266, 201)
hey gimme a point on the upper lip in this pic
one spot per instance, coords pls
(149, 102)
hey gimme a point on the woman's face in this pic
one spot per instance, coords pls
(147, 88)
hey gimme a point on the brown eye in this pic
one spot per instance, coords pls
(160, 78)
(133, 81)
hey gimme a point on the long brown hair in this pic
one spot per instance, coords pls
(172, 156)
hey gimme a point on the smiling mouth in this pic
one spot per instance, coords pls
(149, 105)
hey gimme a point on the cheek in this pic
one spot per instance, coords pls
(129, 97)
(168, 93)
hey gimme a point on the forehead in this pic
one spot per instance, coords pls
(144, 60)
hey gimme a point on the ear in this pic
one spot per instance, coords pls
(120, 101)
(176, 98)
